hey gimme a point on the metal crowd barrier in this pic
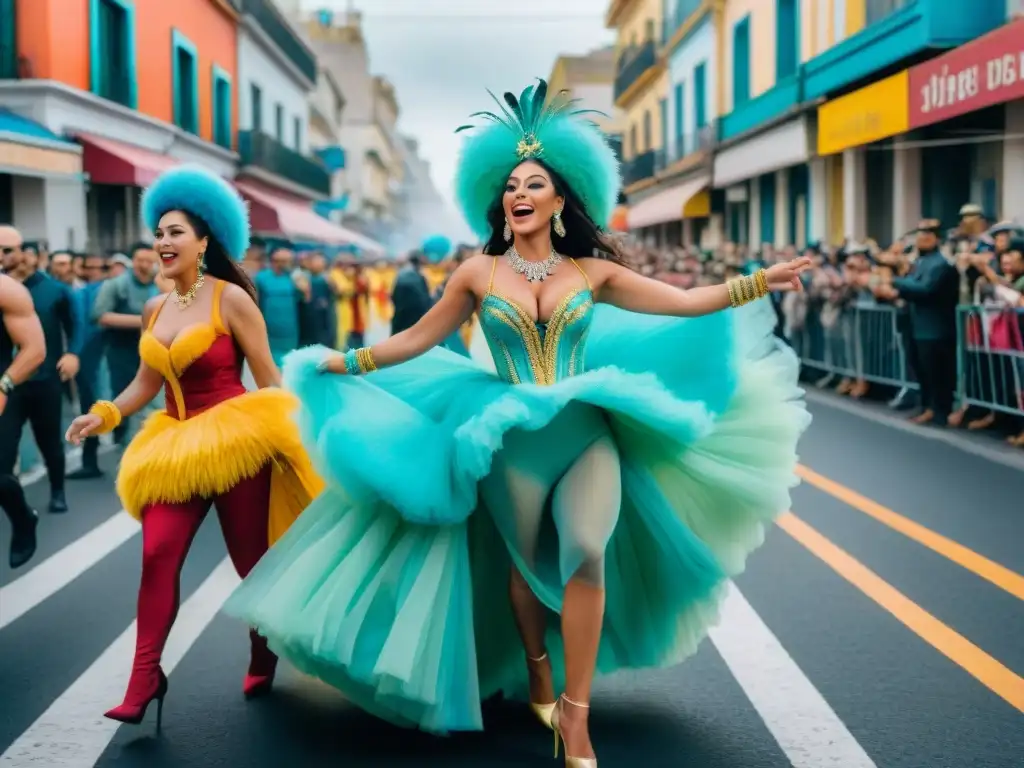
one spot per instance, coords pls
(863, 342)
(990, 358)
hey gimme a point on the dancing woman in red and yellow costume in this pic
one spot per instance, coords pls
(216, 443)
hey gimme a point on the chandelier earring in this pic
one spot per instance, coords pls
(507, 232)
(558, 224)
(199, 264)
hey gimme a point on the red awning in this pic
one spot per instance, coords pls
(114, 162)
(276, 213)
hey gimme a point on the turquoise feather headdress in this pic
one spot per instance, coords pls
(532, 127)
(194, 189)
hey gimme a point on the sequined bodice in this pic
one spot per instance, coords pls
(526, 352)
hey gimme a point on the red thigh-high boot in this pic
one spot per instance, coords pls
(244, 513)
(167, 533)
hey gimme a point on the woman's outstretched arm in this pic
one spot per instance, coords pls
(624, 288)
(454, 308)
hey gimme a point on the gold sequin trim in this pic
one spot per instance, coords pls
(543, 355)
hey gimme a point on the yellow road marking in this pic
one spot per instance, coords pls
(980, 565)
(999, 679)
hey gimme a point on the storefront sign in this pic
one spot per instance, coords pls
(780, 147)
(986, 71)
(27, 160)
(872, 113)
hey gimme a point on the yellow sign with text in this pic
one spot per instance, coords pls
(876, 112)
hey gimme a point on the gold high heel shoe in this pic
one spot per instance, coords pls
(542, 711)
(570, 762)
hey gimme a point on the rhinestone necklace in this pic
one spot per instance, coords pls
(533, 271)
(184, 302)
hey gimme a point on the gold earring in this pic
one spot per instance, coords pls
(507, 232)
(199, 266)
(558, 224)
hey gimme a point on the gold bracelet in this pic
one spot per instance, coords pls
(365, 357)
(743, 290)
(109, 413)
(761, 278)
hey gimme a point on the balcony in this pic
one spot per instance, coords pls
(635, 67)
(677, 14)
(282, 35)
(639, 168)
(263, 151)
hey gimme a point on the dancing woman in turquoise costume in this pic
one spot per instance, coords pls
(614, 471)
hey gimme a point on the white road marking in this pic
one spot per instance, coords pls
(73, 733)
(802, 722)
(72, 461)
(60, 569)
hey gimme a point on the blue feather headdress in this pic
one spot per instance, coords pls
(195, 190)
(531, 127)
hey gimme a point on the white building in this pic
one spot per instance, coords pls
(677, 208)
(277, 72)
(326, 110)
(421, 209)
(373, 151)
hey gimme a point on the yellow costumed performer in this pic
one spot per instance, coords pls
(216, 443)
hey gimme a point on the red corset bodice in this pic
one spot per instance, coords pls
(201, 367)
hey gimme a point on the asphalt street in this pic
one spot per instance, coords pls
(881, 624)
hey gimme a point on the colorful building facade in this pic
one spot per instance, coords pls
(640, 83)
(806, 105)
(136, 86)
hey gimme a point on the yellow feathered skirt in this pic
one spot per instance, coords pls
(173, 461)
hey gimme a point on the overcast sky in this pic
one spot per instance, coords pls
(442, 55)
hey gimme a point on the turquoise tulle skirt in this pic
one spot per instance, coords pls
(393, 585)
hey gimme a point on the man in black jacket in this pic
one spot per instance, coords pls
(39, 400)
(22, 350)
(932, 290)
(410, 296)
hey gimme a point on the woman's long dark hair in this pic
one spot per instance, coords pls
(583, 237)
(216, 261)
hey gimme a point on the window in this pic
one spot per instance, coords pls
(700, 96)
(741, 63)
(663, 112)
(766, 188)
(8, 41)
(649, 30)
(633, 149)
(221, 102)
(112, 51)
(279, 123)
(297, 133)
(648, 138)
(787, 36)
(679, 115)
(256, 99)
(185, 76)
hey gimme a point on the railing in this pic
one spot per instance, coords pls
(633, 63)
(874, 343)
(259, 149)
(283, 36)
(876, 10)
(686, 145)
(639, 168)
(990, 359)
